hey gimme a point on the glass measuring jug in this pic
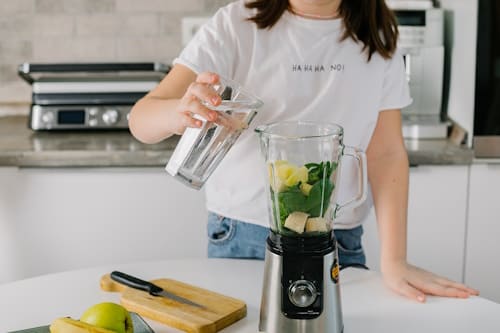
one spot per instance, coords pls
(200, 150)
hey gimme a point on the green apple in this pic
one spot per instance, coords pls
(110, 316)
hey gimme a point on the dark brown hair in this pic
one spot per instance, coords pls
(368, 21)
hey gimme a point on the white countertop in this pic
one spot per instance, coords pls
(368, 306)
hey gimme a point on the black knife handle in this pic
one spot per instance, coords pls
(136, 283)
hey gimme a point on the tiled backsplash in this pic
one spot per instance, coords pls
(87, 30)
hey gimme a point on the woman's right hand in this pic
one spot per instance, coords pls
(191, 103)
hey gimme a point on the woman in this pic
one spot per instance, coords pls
(317, 60)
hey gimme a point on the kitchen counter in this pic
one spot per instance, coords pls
(367, 305)
(21, 147)
(437, 152)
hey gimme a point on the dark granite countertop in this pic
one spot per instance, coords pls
(438, 152)
(22, 147)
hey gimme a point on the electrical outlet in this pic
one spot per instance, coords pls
(190, 26)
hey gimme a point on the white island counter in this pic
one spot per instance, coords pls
(368, 306)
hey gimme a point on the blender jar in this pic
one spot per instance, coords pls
(303, 166)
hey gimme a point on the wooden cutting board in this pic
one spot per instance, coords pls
(220, 311)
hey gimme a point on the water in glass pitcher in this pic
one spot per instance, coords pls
(205, 147)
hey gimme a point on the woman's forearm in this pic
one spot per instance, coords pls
(388, 174)
(171, 107)
(150, 120)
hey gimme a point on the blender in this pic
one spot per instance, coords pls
(301, 276)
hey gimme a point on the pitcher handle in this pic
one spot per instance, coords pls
(358, 200)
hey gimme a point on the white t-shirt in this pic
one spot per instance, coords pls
(301, 71)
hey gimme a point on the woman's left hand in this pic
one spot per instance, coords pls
(416, 283)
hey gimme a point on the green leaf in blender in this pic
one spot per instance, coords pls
(314, 201)
(293, 200)
(319, 198)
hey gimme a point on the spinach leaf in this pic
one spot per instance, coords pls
(283, 212)
(319, 198)
(318, 171)
(293, 199)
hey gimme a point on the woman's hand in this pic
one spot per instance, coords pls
(191, 103)
(415, 283)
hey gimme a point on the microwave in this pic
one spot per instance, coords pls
(486, 138)
(421, 42)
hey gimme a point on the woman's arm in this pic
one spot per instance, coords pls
(388, 173)
(168, 109)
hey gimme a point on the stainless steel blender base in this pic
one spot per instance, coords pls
(272, 320)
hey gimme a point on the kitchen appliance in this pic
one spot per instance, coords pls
(421, 42)
(410, 4)
(301, 276)
(217, 312)
(87, 95)
(486, 139)
(200, 150)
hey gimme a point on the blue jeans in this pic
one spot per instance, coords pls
(229, 238)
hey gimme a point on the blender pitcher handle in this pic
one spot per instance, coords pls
(357, 201)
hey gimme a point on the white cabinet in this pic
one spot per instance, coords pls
(436, 221)
(60, 219)
(483, 232)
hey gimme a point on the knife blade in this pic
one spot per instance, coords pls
(151, 288)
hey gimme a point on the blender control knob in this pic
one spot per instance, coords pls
(110, 117)
(302, 293)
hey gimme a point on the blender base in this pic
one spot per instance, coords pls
(275, 316)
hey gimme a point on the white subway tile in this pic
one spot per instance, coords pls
(98, 25)
(17, 6)
(14, 27)
(211, 6)
(53, 25)
(170, 24)
(146, 49)
(8, 72)
(15, 92)
(159, 5)
(12, 51)
(140, 25)
(75, 6)
(75, 49)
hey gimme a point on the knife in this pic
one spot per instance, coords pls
(152, 289)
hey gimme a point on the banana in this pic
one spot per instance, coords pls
(276, 183)
(286, 173)
(316, 224)
(296, 221)
(68, 325)
(285, 170)
(305, 188)
(296, 176)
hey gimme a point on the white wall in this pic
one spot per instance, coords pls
(461, 18)
(60, 219)
(436, 221)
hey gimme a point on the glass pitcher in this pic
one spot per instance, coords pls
(303, 162)
(200, 150)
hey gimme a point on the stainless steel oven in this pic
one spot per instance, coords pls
(487, 106)
(87, 96)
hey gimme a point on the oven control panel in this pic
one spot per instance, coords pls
(79, 117)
